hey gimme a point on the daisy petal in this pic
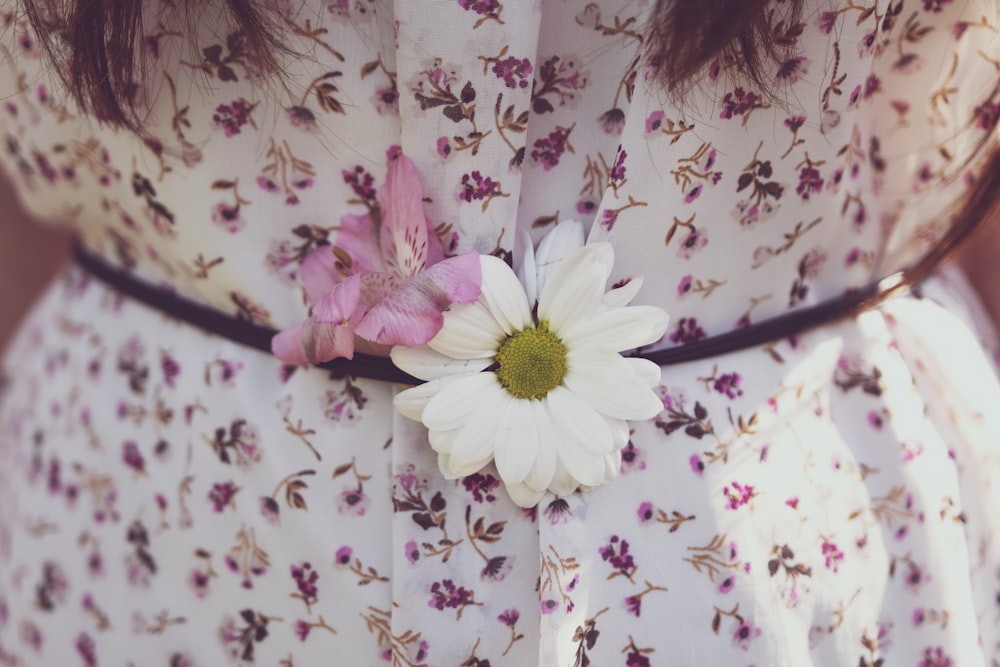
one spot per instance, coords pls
(563, 484)
(646, 372)
(459, 399)
(473, 447)
(576, 286)
(578, 423)
(517, 443)
(544, 467)
(427, 364)
(411, 402)
(523, 495)
(619, 432)
(562, 240)
(628, 400)
(525, 268)
(620, 297)
(504, 296)
(469, 332)
(617, 329)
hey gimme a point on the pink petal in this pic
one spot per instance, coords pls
(411, 314)
(311, 342)
(340, 304)
(319, 273)
(358, 238)
(404, 235)
(287, 345)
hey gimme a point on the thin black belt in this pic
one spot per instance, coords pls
(381, 368)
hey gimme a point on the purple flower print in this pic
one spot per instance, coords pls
(738, 495)
(586, 207)
(684, 286)
(353, 501)
(935, 6)
(645, 511)
(549, 606)
(744, 634)
(616, 553)
(198, 581)
(228, 216)
(480, 6)
(446, 595)
(687, 331)
(694, 241)
(795, 122)
(810, 182)
(515, 72)
(222, 494)
(132, 457)
(832, 555)
(270, 510)
(915, 577)
(609, 218)
(986, 115)
(728, 384)
(477, 188)
(343, 556)
(612, 121)
(727, 585)
(443, 147)
(617, 174)
(232, 117)
(654, 121)
(362, 183)
(509, 617)
(87, 649)
(632, 459)
(481, 486)
(792, 69)
(558, 511)
(827, 20)
(411, 551)
(737, 103)
(636, 659)
(305, 580)
(935, 657)
(548, 150)
(697, 465)
(302, 629)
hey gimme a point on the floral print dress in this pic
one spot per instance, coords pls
(169, 497)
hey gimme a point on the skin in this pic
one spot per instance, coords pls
(31, 254)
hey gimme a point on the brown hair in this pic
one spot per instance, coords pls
(101, 43)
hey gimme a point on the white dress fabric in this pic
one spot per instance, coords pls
(169, 497)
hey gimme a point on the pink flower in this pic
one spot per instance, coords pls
(386, 281)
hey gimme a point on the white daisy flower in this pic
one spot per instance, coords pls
(545, 396)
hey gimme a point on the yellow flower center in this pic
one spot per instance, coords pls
(531, 363)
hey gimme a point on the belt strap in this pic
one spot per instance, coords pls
(381, 368)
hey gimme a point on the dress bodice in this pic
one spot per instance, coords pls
(734, 203)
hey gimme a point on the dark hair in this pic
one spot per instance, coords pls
(686, 35)
(100, 42)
